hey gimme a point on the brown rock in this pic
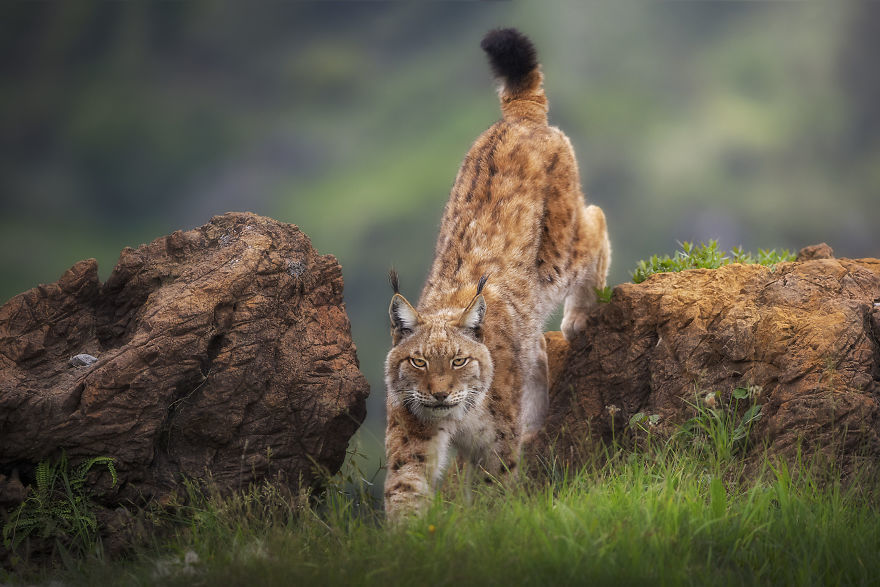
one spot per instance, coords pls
(224, 351)
(820, 251)
(12, 490)
(807, 333)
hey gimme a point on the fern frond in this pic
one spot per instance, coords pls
(44, 475)
(59, 507)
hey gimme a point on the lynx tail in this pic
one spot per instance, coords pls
(514, 60)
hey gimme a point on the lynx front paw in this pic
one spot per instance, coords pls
(400, 506)
(405, 495)
(574, 323)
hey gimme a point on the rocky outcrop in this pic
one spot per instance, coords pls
(804, 335)
(221, 352)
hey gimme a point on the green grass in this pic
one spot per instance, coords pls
(57, 512)
(679, 509)
(705, 256)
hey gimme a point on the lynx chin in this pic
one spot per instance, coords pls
(468, 365)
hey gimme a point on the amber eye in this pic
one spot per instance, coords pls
(418, 363)
(460, 362)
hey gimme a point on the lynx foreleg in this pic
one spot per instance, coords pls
(416, 457)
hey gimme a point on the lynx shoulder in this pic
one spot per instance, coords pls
(468, 365)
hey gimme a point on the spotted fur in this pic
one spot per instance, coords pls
(468, 366)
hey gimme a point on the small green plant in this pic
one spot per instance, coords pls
(58, 509)
(718, 430)
(604, 294)
(641, 419)
(705, 256)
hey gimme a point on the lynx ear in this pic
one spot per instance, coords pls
(472, 317)
(403, 317)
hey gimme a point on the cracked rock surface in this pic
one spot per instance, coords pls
(223, 351)
(806, 333)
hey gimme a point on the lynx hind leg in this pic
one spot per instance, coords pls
(593, 251)
(535, 398)
(415, 469)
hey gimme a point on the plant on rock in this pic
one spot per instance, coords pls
(706, 256)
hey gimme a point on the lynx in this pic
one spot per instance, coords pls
(468, 365)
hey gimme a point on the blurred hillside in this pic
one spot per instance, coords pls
(754, 123)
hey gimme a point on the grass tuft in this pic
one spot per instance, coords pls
(705, 256)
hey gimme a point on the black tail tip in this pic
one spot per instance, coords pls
(511, 54)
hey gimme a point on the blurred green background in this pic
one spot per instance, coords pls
(755, 123)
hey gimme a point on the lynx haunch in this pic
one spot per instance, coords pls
(468, 365)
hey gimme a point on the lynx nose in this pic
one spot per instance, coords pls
(441, 397)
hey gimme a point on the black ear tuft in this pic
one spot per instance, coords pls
(404, 318)
(482, 283)
(511, 55)
(395, 282)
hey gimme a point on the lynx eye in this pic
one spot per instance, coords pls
(460, 362)
(418, 363)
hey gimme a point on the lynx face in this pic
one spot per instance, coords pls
(438, 369)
